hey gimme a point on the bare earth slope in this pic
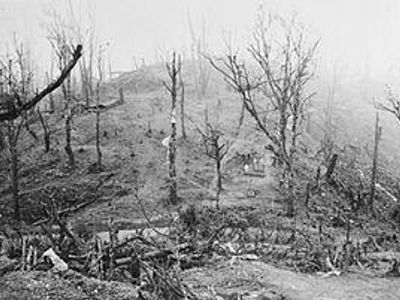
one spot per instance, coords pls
(134, 153)
(252, 278)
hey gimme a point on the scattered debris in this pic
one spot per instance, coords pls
(58, 264)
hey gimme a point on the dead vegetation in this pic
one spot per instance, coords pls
(96, 224)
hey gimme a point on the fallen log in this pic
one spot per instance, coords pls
(107, 248)
(58, 264)
(68, 210)
(156, 254)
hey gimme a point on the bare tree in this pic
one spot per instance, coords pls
(201, 67)
(46, 130)
(391, 104)
(277, 92)
(17, 98)
(378, 134)
(13, 133)
(61, 38)
(182, 103)
(329, 137)
(216, 150)
(10, 98)
(101, 72)
(18, 77)
(174, 69)
(11, 111)
(25, 81)
(86, 36)
(51, 103)
(79, 23)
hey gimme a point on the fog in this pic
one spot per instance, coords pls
(361, 35)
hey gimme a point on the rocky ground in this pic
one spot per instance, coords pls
(134, 159)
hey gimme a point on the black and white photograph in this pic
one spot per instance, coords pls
(199, 149)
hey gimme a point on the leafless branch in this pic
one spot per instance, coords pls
(15, 112)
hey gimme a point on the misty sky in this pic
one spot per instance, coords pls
(356, 33)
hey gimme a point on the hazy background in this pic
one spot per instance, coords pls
(362, 35)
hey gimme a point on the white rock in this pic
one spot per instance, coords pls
(58, 264)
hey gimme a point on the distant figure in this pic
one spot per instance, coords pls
(165, 143)
(246, 168)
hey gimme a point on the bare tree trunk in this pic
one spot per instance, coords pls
(206, 122)
(219, 174)
(99, 155)
(68, 148)
(331, 166)
(15, 181)
(51, 103)
(182, 86)
(86, 90)
(90, 67)
(218, 110)
(2, 140)
(241, 118)
(121, 95)
(282, 132)
(173, 198)
(68, 119)
(202, 69)
(12, 133)
(292, 156)
(46, 131)
(174, 69)
(51, 97)
(378, 133)
(216, 151)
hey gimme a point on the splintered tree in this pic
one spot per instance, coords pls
(16, 99)
(10, 110)
(216, 150)
(378, 134)
(182, 103)
(100, 69)
(274, 92)
(79, 22)
(61, 40)
(328, 140)
(24, 68)
(44, 121)
(174, 69)
(18, 78)
(13, 132)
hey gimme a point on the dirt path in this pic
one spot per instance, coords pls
(251, 278)
(254, 278)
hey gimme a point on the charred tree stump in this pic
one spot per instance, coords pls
(378, 133)
(331, 167)
(46, 131)
(183, 129)
(174, 69)
(121, 96)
